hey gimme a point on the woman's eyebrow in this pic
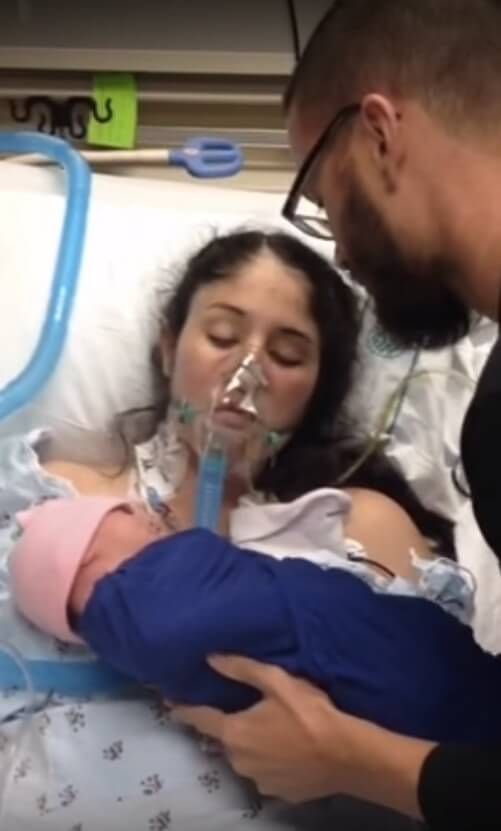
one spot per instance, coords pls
(227, 307)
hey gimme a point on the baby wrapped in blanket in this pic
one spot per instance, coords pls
(154, 607)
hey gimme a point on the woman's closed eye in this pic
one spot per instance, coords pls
(286, 360)
(222, 342)
(289, 350)
(283, 358)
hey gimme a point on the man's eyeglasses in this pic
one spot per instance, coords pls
(298, 209)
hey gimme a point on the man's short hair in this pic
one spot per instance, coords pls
(445, 53)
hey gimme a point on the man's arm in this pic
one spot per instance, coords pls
(297, 746)
(460, 788)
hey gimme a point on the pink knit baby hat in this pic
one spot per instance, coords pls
(48, 554)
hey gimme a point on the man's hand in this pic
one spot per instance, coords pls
(295, 744)
(278, 743)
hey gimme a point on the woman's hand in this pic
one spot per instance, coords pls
(295, 745)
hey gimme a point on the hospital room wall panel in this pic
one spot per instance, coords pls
(215, 68)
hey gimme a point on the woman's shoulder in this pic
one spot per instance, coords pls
(384, 529)
(374, 505)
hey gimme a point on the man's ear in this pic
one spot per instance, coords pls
(382, 124)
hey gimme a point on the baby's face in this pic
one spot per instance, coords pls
(121, 534)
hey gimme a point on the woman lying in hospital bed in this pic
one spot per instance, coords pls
(270, 298)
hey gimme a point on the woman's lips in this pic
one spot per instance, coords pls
(232, 417)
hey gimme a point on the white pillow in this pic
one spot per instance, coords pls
(136, 231)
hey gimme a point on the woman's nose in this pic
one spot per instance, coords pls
(247, 379)
(245, 354)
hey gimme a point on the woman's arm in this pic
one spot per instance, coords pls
(385, 530)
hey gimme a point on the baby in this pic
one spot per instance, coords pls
(154, 607)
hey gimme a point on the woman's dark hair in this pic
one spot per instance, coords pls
(323, 446)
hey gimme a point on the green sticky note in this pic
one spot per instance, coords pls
(118, 91)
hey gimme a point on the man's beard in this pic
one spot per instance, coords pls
(413, 300)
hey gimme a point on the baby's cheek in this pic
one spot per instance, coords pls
(150, 535)
(155, 526)
(83, 585)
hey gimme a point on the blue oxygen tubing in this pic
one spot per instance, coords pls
(22, 389)
(28, 383)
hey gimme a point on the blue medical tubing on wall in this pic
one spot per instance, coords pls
(29, 382)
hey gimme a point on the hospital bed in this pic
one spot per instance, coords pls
(138, 235)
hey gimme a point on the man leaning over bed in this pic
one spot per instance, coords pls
(394, 116)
